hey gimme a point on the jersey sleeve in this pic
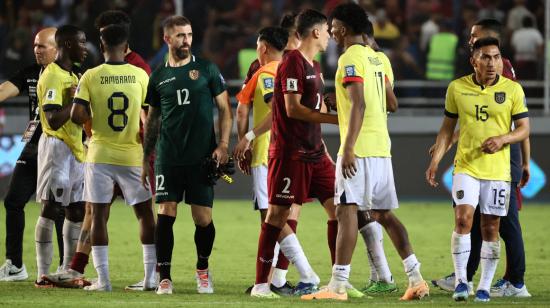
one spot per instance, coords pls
(292, 75)
(82, 94)
(519, 104)
(216, 82)
(52, 94)
(266, 84)
(451, 109)
(153, 97)
(19, 79)
(352, 67)
(144, 85)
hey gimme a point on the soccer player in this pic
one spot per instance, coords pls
(364, 176)
(512, 284)
(482, 163)
(23, 181)
(298, 166)
(180, 93)
(61, 152)
(74, 276)
(111, 95)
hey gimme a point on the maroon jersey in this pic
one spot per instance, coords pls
(508, 70)
(291, 138)
(254, 66)
(136, 60)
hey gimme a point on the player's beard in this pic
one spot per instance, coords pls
(182, 53)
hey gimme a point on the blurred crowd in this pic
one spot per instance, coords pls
(405, 29)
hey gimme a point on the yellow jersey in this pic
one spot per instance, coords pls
(387, 66)
(53, 91)
(115, 93)
(262, 96)
(361, 64)
(484, 112)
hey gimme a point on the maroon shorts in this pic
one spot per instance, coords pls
(294, 181)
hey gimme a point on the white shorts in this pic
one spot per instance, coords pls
(372, 187)
(60, 175)
(100, 180)
(259, 187)
(493, 197)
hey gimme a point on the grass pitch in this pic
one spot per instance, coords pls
(233, 260)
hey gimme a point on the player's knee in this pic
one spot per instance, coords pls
(168, 209)
(202, 220)
(463, 222)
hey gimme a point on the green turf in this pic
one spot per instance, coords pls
(232, 261)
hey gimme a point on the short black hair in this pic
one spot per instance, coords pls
(369, 28)
(66, 33)
(486, 41)
(112, 17)
(288, 21)
(277, 37)
(352, 15)
(175, 20)
(307, 19)
(490, 24)
(527, 22)
(114, 35)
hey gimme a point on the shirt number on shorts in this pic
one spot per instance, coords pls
(118, 126)
(183, 93)
(287, 186)
(499, 195)
(159, 182)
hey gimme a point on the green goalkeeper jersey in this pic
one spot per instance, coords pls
(185, 96)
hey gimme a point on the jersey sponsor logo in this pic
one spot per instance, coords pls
(194, 74)
(268, 83)
(50, 94)
(291, 84)
(500, 97)
(350, 70)
(166, 81)
(469, 94)
(374, 61)
(460, 194)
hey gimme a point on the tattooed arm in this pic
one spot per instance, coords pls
(151, 126)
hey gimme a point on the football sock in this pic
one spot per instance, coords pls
(292, 249)
(266, 245)
(373, 238)
(149, 264)
(79, 262)
(276, 255)
(43, 235)
(281, 262)
(204, 241)
(460, 249)
(71, 233)
(164, 239)
(100, 256)
(332, 232)
(490, 253)
(278, 278)
(340, 276)
(412, 269)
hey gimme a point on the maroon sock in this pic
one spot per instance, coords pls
(282, 261)
(79, 262)
(332, 232)
(266, 244)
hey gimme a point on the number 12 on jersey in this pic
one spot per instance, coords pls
(183, 97)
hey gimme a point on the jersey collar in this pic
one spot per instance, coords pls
(192, 60)
(482, 86)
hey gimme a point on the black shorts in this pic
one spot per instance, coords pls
(173, 182)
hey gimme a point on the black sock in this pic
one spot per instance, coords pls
(164, 239)
(204, 240)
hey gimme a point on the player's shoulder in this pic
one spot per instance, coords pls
(506, 84)
(292, 56)
(202, 62)
(50, 73)
(464, 81)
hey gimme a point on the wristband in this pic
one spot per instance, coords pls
(250, 135)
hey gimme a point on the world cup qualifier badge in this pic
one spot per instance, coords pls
(500, 97)
(194, 74)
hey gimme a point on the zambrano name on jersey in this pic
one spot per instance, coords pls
(484, 112)
(115, 93)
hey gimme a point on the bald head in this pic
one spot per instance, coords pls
(45, 48)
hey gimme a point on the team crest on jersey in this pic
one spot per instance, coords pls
(350, 70)
(268, 83)
(460, 194)
(500, 97)
(194, 74)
